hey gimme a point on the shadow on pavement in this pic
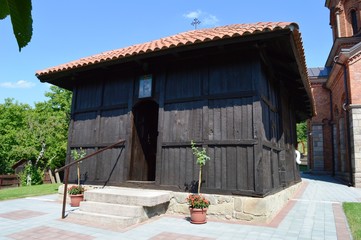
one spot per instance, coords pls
(321, 177)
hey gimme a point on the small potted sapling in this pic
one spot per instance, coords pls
(76, 192)
(198, 204)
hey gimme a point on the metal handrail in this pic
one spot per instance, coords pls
(67, 166)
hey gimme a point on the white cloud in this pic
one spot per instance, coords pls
(18, 84)
(193, 15)
(210, 20)
(205, 18)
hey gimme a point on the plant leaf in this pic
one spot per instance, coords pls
(4, 9)
(20, 13)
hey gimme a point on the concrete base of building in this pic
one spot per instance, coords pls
(223, 207)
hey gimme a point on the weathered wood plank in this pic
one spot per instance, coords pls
(251, 168)
(218, 167)
(114, 125)
(223, 121)
(266, 169)
(175, 166)
(183, 82)
(84, 129)
(182, 165)
(211, 183)
(116, 91)
(229, 123)
(210, 122)
(241, 169)
(189, 166)
(258, 156)
(217, 121)
(224, 168)
(88, 96)
(129, 130)
(231, 174)
(275, 172)
(238, 120)
(161, 125)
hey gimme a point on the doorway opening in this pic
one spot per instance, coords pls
(144, 143)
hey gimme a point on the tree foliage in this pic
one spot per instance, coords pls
(21, 19)
(302, 132)
(26, 131)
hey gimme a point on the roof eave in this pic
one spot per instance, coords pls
(302, 68)
(72, 72)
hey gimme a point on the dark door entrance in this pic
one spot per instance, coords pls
(144, 144)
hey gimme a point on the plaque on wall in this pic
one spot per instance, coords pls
(145, 86)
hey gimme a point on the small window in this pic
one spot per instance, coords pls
(354, 21)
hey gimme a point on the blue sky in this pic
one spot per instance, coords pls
(68, 30)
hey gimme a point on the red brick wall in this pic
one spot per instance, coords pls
(344, 16)
(323, 116)
(338, 98)
(355, 82)
(322, 101)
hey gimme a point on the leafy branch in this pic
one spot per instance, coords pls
(202, 158)
(76, 155)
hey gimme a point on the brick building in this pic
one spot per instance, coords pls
(335, 132)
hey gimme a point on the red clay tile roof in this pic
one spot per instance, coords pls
(178, 40)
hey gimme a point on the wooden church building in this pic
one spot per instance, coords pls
(237, 90)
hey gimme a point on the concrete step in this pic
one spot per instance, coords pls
(128, 196)
(112, 209)
(103, 220)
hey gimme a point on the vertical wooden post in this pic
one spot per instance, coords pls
(52, 179)
(57, 177)
(65, 191)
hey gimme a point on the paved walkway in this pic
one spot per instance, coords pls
(315, 212)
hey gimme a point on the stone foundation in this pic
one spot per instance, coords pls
(229, 207)
(224, 207)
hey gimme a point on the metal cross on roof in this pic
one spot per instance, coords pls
(195, 23)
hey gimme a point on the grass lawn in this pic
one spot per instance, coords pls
(353, 214)
(28, 191)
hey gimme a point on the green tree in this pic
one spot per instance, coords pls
(53, 119)
(37, 134)
(302, 132)
(12, 119)
(21, 19)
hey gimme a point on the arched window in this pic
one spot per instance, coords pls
(353, 15)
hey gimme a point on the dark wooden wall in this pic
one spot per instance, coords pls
(100, 117)
(227, 103)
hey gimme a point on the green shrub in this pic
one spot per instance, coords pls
(36, 174)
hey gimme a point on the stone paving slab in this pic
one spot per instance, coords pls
(44, 232)
(315, 212)
(21, 214)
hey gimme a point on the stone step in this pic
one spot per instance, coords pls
(112, 209)
(128, 196)
(103, 220)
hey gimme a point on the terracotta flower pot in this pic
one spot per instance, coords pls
(198, 215)
(76, 199)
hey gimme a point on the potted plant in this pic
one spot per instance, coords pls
(76, 194)
(198, 205)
